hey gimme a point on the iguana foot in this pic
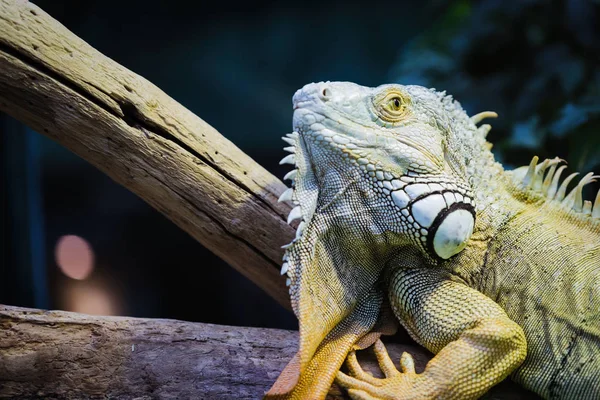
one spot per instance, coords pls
(404, 384)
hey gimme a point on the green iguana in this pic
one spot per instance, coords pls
(402, 207)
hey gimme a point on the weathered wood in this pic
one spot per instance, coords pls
(55, 354)
(143, 139)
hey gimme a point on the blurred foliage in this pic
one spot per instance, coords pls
(536, 63)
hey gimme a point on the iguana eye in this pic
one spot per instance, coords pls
(392, 106)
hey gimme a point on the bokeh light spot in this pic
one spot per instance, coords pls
(90, 299)
(74, 257)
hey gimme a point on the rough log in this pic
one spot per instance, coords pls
(55, 354)
(143, 139)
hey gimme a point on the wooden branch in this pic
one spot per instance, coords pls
(56, 354)
(143, 139)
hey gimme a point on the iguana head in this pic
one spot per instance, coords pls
(383, 151)
(378, 172)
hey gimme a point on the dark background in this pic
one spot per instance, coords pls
(236, 65)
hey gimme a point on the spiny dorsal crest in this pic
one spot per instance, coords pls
(485, 128)
(289, 196)
(456, 110)
(544, 179)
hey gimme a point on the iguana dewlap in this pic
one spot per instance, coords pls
(400, 203)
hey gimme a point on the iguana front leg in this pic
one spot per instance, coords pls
(475, 342)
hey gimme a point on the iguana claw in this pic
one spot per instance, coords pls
(405, 384)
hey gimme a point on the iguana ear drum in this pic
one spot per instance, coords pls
(450, 231)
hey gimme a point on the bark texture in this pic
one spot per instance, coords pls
(146, 141)
(55, 354)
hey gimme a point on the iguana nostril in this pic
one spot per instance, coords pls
(325, 94)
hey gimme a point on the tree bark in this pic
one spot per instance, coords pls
(143, 139)
(59, 355)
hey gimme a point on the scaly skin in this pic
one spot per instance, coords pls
(402, 203)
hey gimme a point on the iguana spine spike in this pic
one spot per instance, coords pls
(477, 118)
(587, 207)
(291, 175)
(548, 162)
(295, 214)
(538, 177)
(286, 196)
(527, 181)
(563, 187)
(300, 229)
(290, 149)
(288, 140)
(539, 180)
(554, 186)
(284, 268)
(548, 179)
(290, 159)
(596, 209)
(292, 135)
(485, 129)
(576, 195)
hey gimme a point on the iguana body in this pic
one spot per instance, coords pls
(402, 204)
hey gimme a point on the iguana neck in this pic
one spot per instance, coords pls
(467, 150)
(468, 153)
